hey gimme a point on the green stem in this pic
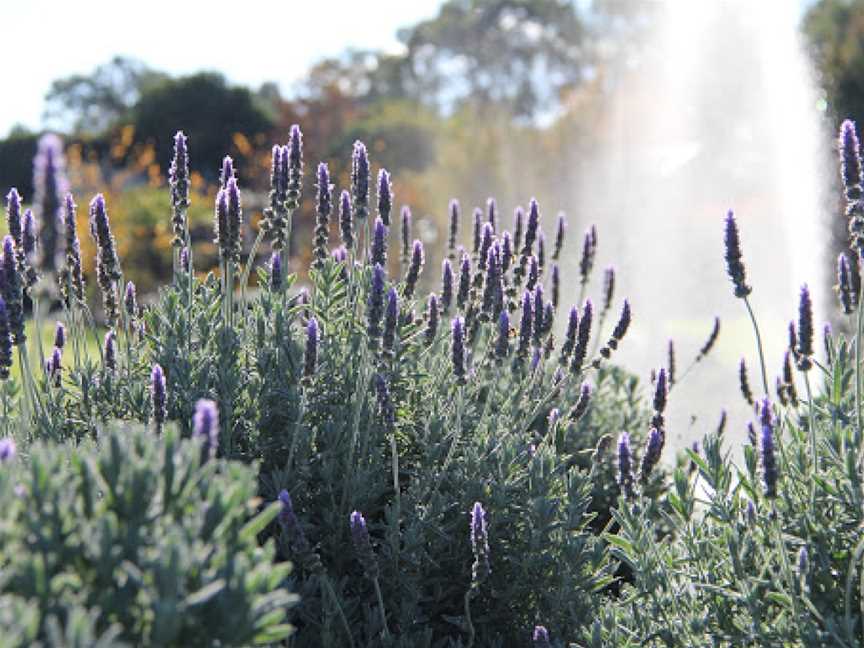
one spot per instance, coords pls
(468, 622)
(381, 607)
(758, 346)
(813, 454)
(250, 260)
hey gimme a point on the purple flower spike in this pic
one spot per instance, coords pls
(502, 341)
(769, 463)
(363, 545)
(532, 227)
(481, 569)
(324, 206)
(379, 243)
(49, 186)
(582, 337)
(625, 466)
(346, 220)
(158, 393)
(485, 243)
(414, 268)
(8, 450)
(570, 335)
(506, 251)
(375, 306)
(405, 231)
(178, 180)
(130, 300)
(525, 325)
(518, 226)
(446, 285)
(734, 265)
(60, 335)
(5, 342)
(276, 271)
(652, 454)
(433, 310)
(310, 357)
(205, 425)
(293, 167)
(13, 215)
(850, 160)
(454, 228)
(360, 181)
(492, 214)
(391, 319)
(110, 351)
(227, 171)
(541, 637)
(385, 196)
(844, 285)
(458, 349)
(287, 517)
(464, 281)
(28, 233)
(560, 228)
(805, 330)
(478, 229)
(185, 264)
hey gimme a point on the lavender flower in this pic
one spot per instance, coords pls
(28, 234)
(556, 286)
(492, 213)
(582, 338)
(385, 196)
(670, 354)
(506, 252)
(769, 464)
(844, 285)
(49, 183)
(54, 366)
(227, 171)
(130, 300)
(560, 227)
(360, 181)
(487, 233)
(414, 269)
(205, 425)
(405, 232)
(751, 514)
(13, 216)
(478, 229)
(541, 637)
(446, 285)
(310, 356)
(589, 250)
(379, 243)
(324, 206)
(619, 331)
(60, 335)
(538, 314)
(744, 383)
(789, 379)
(385, 402)
(625, 466)
(109, 353)
(525, 326)
(709, 343)
(13, 295)
(8, 450)
(805, 330)
(803, 562)
(454, 228)
(178, 180)
(502, 340)
(294, 166)
(391, 319)
(107, 262)
(850, 161)
(570, 335)
(518, 225)
(661, 393)
(458, 349)
(464, 282)
(375, 307)
(826, 340)
(481, 569)
(346, 220)
(652, 454)
(734, 266)
(493, 289)
(159, 394)
(581, 406)
(541, 251)
(533, 273)
(276, 271)
(608, 287)
(5, 342)
(532, 228)
(363, 545)
(235, 221)
(287, 517)
(432, 319)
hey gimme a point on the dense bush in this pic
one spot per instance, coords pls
(135, 541)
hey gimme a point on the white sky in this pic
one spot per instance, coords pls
(251, 41)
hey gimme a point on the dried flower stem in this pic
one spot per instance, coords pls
(758, 345)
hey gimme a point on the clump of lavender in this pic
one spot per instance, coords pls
(49, 183)
(502, 340)
(205, 426)
(276, 271)
(130, 300)
(379, 243)
(5, 342)
(360, 181)
(458, 349)
(363, 545)
(375, 307)
(581, 406)
(582, 338)
(769, 463)
(385, 196)
(159, 396)
(433, 311)
(324, 206)
(310, 355)
(844, 285)
(446, 286)
(625, 466)
(414, 269)
(109, 351)
(8, 450)
(391, 319)
(107, 262)
(734, 265)
(346, 220)
(541, 637)
(481, 568)
(805, 330)
(13, 292)
(178, 180)
(453, 229)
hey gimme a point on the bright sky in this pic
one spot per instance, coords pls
(250, 41)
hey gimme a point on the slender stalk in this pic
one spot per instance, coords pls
(250, 260)
(325, 581)
(468, 622)
(813, 455)
(381, 607)
(758, 346)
